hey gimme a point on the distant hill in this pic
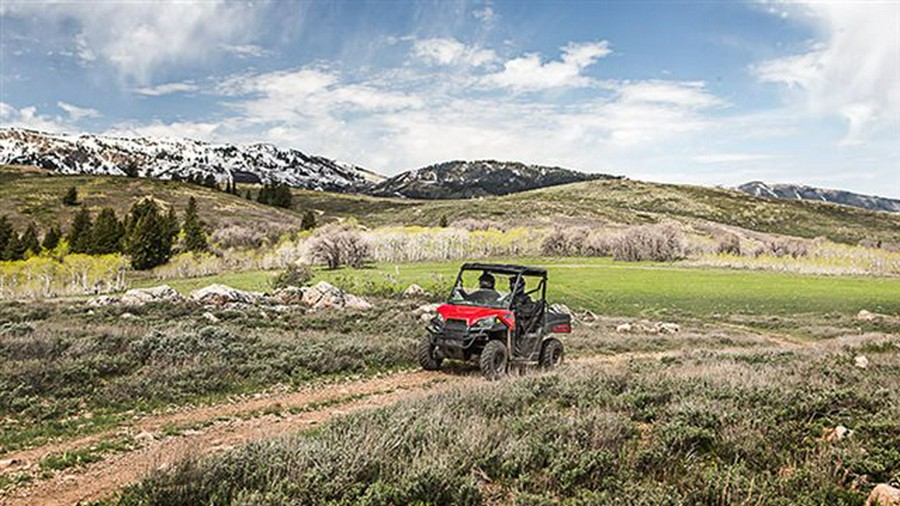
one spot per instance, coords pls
(799, 192)
(468, 179)
(163, 158)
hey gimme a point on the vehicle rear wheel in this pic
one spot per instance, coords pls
(493, 360)
(427, 358)
(551, 353)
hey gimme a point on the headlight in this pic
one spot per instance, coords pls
(490, 321)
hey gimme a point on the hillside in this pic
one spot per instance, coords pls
(32, 194)
(29, 194)
(164, 158)
(463, 179)
(629, 202)
(800, 192)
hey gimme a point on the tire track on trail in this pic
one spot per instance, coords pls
(232, 424)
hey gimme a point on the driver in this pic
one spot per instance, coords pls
(485, 293)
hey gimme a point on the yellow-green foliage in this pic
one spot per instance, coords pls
(824, 257)
(44, 276)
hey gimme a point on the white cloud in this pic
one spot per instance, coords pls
(529, 72)
(166, 89)
(28, 117)
(139, 38)
(177, 130)
(78, 113)
(486, 14)
(449, 51)
(245, 50)
(853, 71)
(717, 158)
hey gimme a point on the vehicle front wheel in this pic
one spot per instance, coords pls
(426, 355)
(551, 353)
(493, 360)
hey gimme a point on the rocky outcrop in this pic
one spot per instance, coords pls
(141, 296)
(220, 295)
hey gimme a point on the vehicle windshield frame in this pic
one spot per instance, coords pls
(505, 301)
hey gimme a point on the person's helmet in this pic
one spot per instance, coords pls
(486, 281)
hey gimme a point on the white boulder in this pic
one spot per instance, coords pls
(220, 295)
(414, 290)
(884, 495)
(141, 296)
(624, 328)
(861, 361)
(324, 295)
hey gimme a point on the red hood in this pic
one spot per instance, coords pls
(471, 314)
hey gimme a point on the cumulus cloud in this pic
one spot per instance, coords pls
(449, 51)
(852, 72)
(78, 113)
(28, 117)
(529, 72)
(138, 38)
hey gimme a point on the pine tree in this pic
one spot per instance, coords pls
(248, 195)
(71, 197)
(15, 250)
(308, 222)
(148, 236)
(171, 225)
(264, 195)
(30, 240)
(107, 233)
(51, 238)
(80, 234)
(6, 231)
(194, 236)
(443, 223)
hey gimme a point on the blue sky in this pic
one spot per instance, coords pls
(694, 92)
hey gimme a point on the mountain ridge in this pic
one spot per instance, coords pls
(805, 192)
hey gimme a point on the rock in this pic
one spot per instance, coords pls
(141, 296)
(668, 328)
(861, 361)
(145, 437)
(103, 300)
(426, 309)
(623, 328)
(211, 318)
(414, 290)
(836, 434)
(220, 295)
(561, 308)
(290, 296)
(866, 316)
(128, 316)
(588, 317)
(324, 295)
(884, 495)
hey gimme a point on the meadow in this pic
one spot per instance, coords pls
(628, 289)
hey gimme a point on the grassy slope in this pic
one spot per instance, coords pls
(633, 289)
(640, 202)
(33, 195)
(36, 196)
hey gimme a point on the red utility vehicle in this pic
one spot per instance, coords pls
(497, 327)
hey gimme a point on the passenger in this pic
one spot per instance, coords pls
(519, 297)
(486, 294)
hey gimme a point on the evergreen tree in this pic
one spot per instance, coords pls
(71, 197)
(444, 223)
(171, 225)
(107, 233)
(15, 250)
(30, 240)
(210, 181)
(6, 231)
(308, 222)
(248, 195)
(148, 236)
(131, 169)
(281, 196)
(80, 234)
(51, 238)
(264, 195)
(194, 236)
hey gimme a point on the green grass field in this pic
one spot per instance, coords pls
(643, 289)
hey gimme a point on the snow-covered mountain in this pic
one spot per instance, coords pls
(467, 179)
(166, 158)
(792, 191)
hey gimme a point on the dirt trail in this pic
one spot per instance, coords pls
(231, 424)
